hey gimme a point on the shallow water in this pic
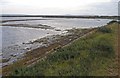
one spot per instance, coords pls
(17, 35)
(64, 23)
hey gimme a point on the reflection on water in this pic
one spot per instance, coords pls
(17, 35)
(65, 23)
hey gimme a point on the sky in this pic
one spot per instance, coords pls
(60, 7)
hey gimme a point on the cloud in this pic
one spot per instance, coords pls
(82, 7)
(110, 8)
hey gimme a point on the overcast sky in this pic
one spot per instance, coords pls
(60, 7)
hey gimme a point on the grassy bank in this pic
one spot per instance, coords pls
(87, 56)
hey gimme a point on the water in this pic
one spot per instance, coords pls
(12, 38)
(64, 23)
(17, 35)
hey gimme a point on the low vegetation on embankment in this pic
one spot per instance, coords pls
(87, 56)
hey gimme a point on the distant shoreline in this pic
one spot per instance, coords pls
(63, 16)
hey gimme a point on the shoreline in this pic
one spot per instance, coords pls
(52, 43)
(83, 53)
(58, 41)
(21, 49)
(64, 16)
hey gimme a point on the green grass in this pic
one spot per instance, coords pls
(89, 56)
